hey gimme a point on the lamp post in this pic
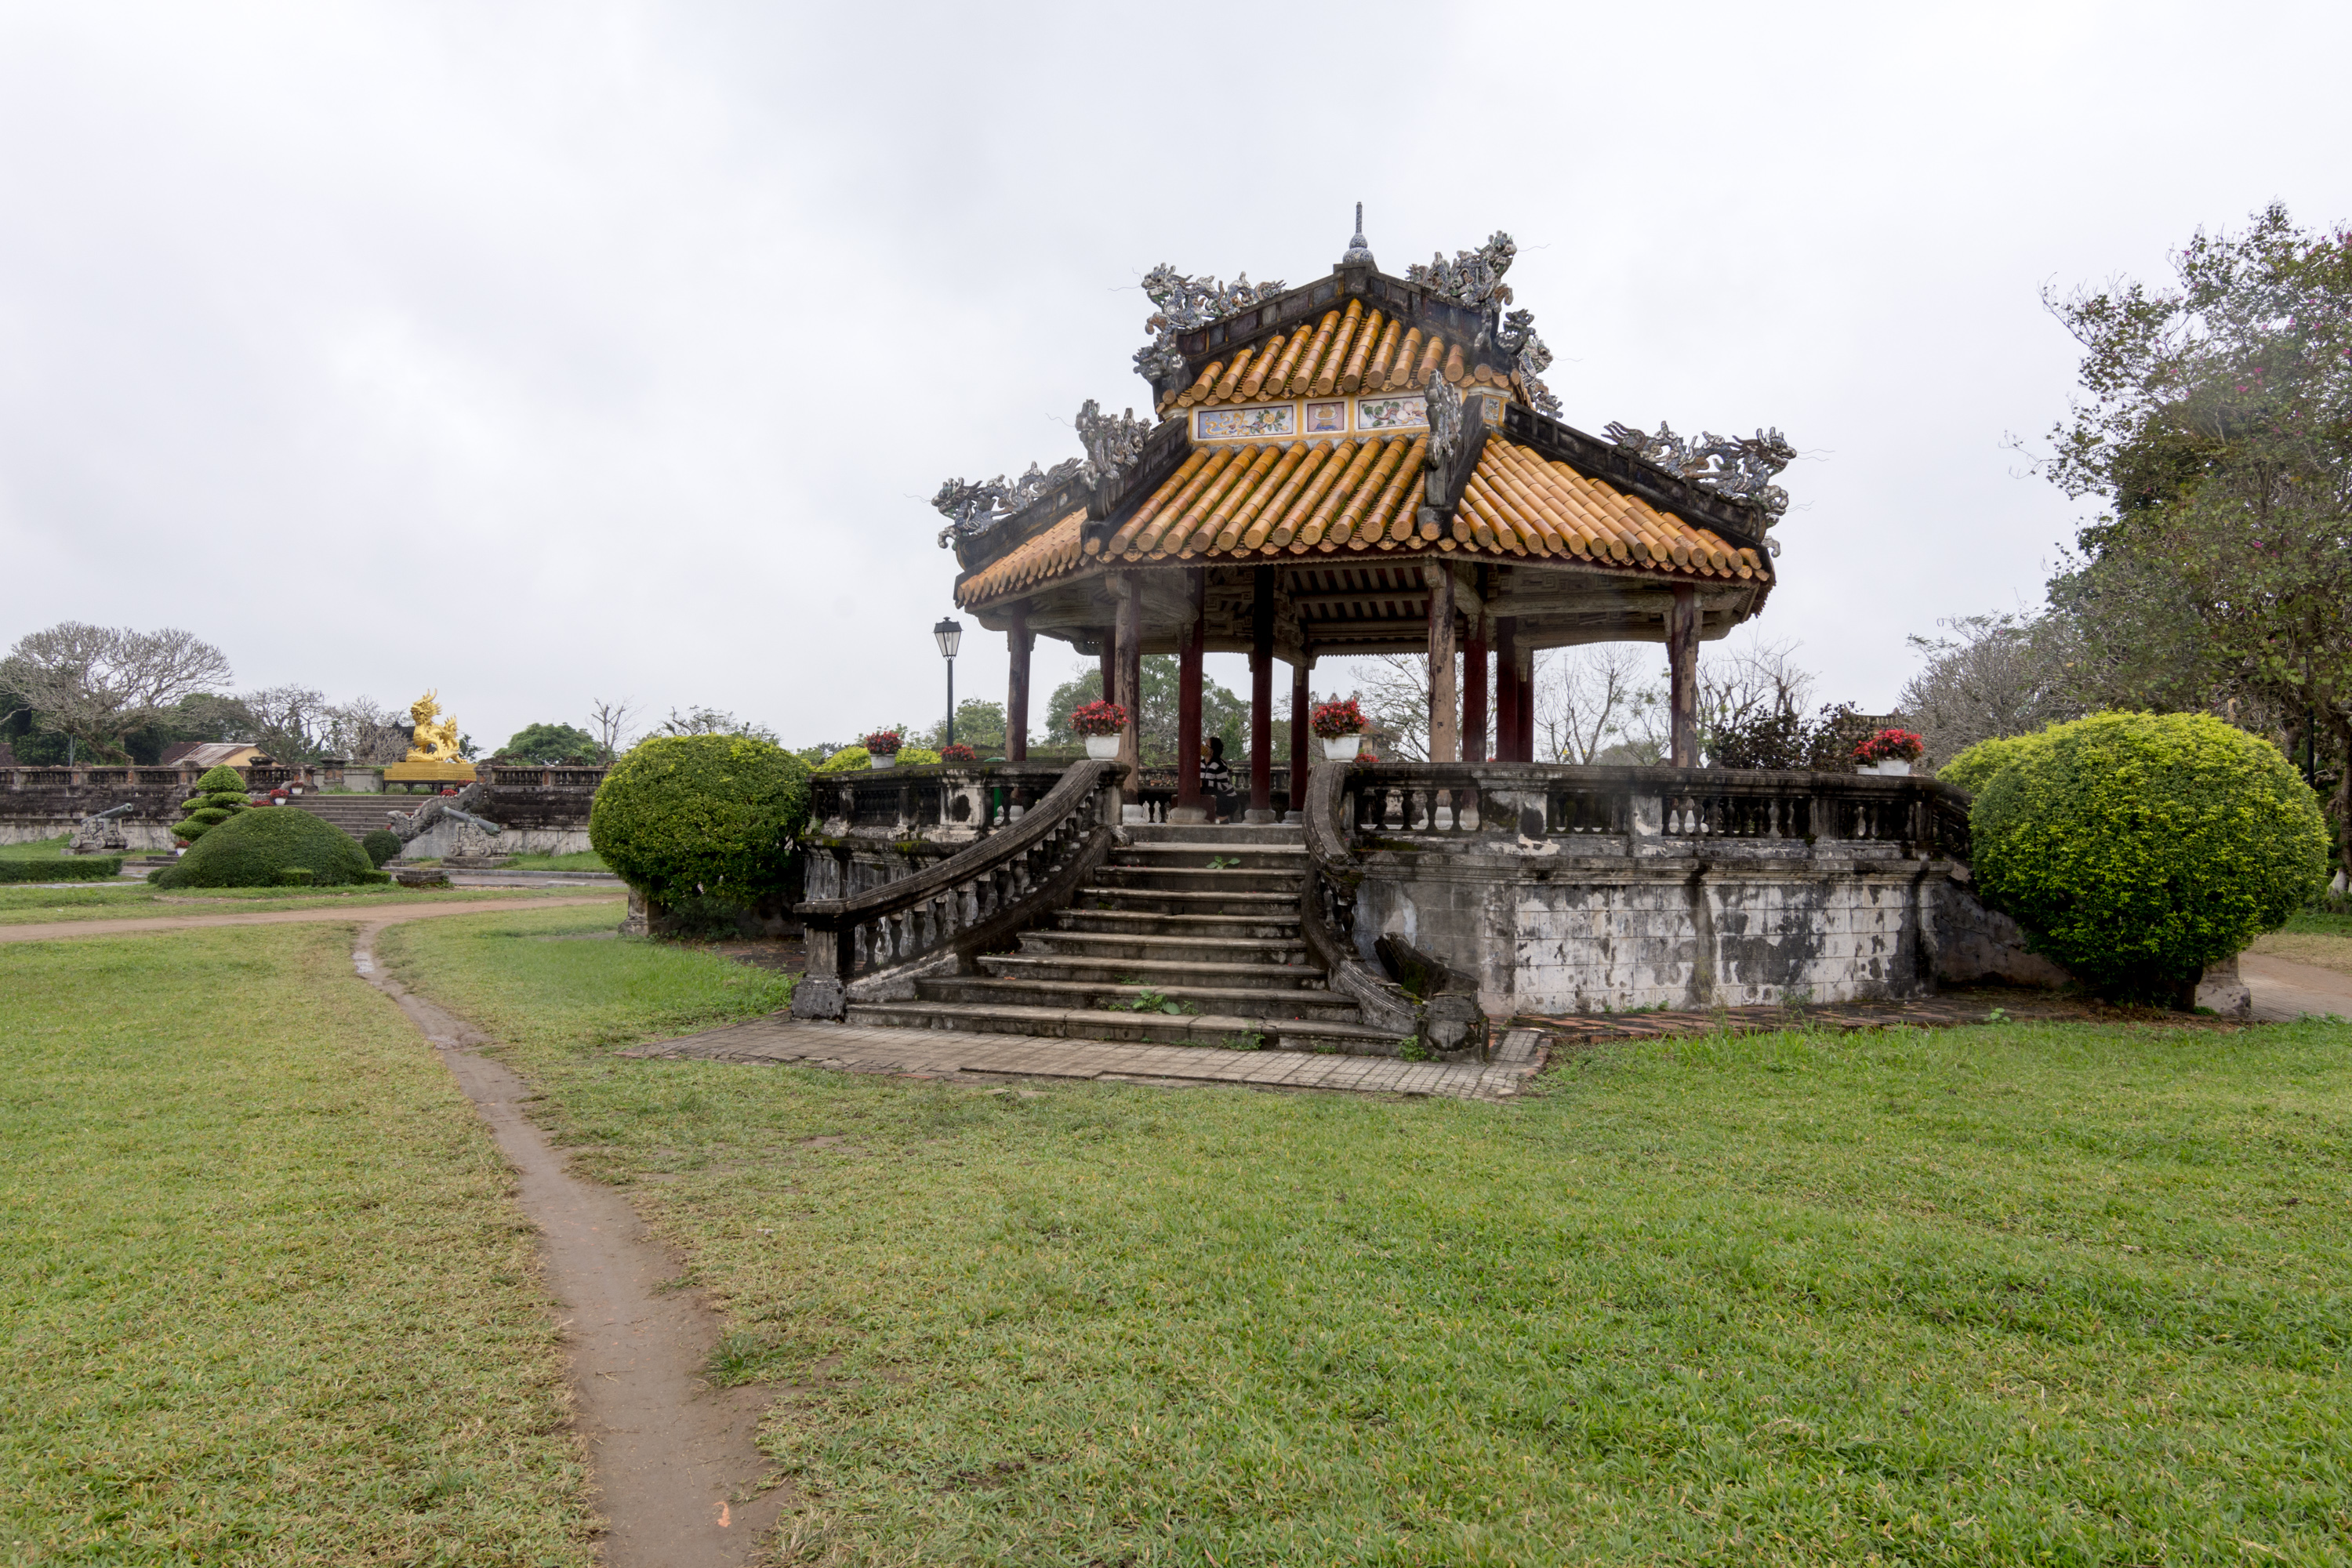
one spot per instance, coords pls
(950, 634)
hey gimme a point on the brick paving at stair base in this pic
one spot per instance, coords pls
(951, 1053)
(1950, 1009)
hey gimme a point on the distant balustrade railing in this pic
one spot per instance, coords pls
(966, 901)
(1617, 810)
(908, 803)
(261, 777)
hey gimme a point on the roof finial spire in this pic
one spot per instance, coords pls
(1359, 253)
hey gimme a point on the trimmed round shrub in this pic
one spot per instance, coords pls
(1974, 768)
(2137, 848)
(220, 794)
(919, 757)
(683, 817)
(379, 844)
(254, 848)
(846, 759)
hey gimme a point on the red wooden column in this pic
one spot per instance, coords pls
(1189, 806)
(1021, 640)
(1474, 691)
(1682, 676)
(1445, 713)
(1129, 640)
(1506, 689)
(1109, 638)
(1300, 703)
(1261, 806)
(1525, 680)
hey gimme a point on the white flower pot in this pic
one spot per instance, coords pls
(877, 760)
(1342, 747)
(1103, 748)
(1896, 769)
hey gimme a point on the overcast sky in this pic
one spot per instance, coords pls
(542, 354)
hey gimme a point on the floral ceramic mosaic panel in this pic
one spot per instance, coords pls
(1494, 409)
(1390, 414)
(1213, 424)
(1323, 418)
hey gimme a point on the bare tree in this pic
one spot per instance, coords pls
(98, 684)
(1598, 698)
(610, 723)
(364, 731)
(1395, 696)
(1996, 675)
(290, 722)
(704, 721)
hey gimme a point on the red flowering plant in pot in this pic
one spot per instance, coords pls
(882, 748)
(1341, 726)
(1100, 722)
(1890, 752)
(959, 752)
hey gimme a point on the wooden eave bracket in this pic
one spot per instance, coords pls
(1442, 487)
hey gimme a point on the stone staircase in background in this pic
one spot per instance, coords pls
(1221, 941)
(356, 815)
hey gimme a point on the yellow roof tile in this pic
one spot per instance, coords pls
(1343, 351)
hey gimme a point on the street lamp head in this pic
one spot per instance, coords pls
(949, 632)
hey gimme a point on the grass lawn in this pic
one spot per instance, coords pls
(2062, 1294)
(577, 860)
(39, 849)
(262, 1296)
(134, 900)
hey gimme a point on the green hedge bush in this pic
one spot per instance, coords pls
(220, 794)
(685, 816)
(253, 849)
(64, 868)
(1974, 768)
(846, 759)
(2137, 848)
(381, 844)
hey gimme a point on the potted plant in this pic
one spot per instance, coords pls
(1100, 722)
(277, 796)
(958, 752)
(1342, 726)
(1889, 752)
(882, 748)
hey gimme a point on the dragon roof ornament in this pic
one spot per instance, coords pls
(1186, 304)
(1474, 279)
(1442, 400)
(1112, 445)
(1740, 468)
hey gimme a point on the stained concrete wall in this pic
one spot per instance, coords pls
(1760, 925)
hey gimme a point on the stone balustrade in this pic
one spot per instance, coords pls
(872, 944)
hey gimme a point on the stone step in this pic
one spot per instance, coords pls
(1279, 923)
(1287, 859)
(1225, 833)
(356, 815)
(1279, 905)
(1322, 1036)
(1166, 948)
(1125, 976)
(1082, 995)
(1196, 878)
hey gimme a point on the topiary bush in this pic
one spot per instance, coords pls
(714, 816)
(220, 794)
(846, 759)
(254, 848)
(379, 844)
(2137, 848)
(1974, 768)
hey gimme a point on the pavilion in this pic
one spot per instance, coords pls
(1363, 464)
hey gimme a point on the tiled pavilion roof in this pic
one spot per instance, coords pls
(1275, 501)
(1293, 436)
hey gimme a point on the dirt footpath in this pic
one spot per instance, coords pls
(58, 930)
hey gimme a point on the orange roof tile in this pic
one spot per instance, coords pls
(1049, 555)
(1358, 495)
(1348, 350)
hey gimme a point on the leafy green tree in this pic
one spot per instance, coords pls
(2216, 424)
(980, 724)
(683, 817)
(548, 743)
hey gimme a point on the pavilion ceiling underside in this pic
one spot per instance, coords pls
(1344, 351)
(1268, 503)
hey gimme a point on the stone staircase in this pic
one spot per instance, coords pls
(356, 815)
(1156, 918)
